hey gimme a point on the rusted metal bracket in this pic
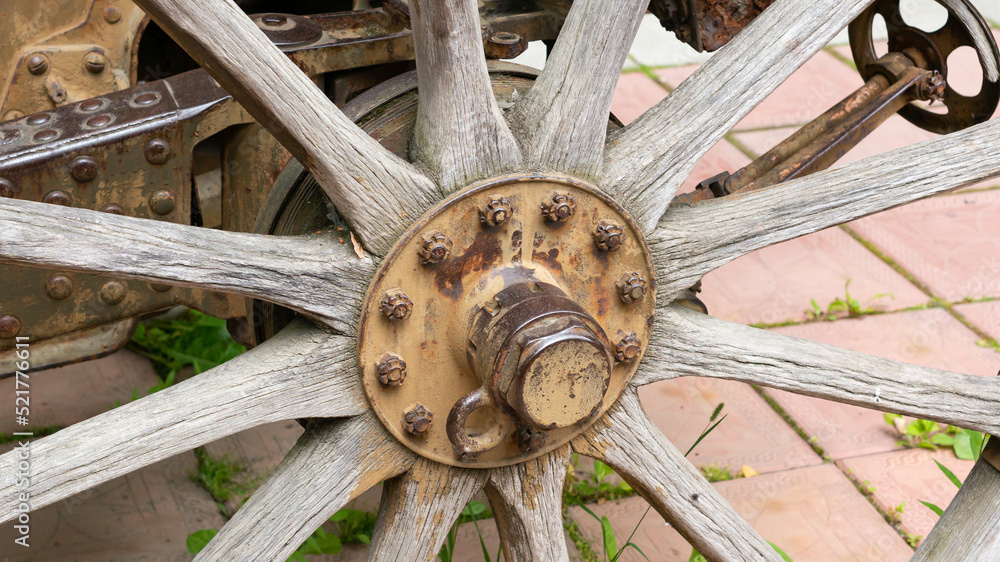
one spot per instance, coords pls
(707, 25)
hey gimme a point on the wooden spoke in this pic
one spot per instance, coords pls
(302, 372)
(377, 192)
(332, 463)
(317, 275)
(565, 116)
(970, 527)
(419, 507)
(627, 441)
(646, 164)
(700, 345)
(695, 239)
(461, 133)
(527, 503)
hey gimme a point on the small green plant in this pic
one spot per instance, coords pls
(354, 526)
(978, 445)
(219, 476)
(715, 473)
(608, 540)
(849, 305)
(473, 512)
(867, 488)
(594, 488)
(709, 428)
(928, 434)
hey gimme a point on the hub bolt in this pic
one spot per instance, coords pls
(95, 62)
(609, 236)
(396, 305)
(496, 212)
(530, 439)
(631, 287)
(417, 420)
(391, 370)
(10, 326)
(157, 151)
(629, 348)
(59, 287)
(931, 87)
(435, 248)
(560, 209)
(38, 64)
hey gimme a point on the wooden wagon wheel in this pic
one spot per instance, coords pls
(310, 370)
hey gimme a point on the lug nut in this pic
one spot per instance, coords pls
(417, 420)
(629, 348)
(58, 198)
(274, 20)
(931, 87)
(112, 14)
(8, 189)
(631, 288)
(496, 212)
(396, 305)
(609, 236)
(157, 151)
(59, 287)
(84, 169)
(112, 293)
(161, 202)
(435, 247)
(38, 64)
(504, 45)
(95, 62)
(391, 370)
(530, 439)
(560, 209)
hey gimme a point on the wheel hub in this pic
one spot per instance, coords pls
(506, 320)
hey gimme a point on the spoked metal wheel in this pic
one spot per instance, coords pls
(551, 345)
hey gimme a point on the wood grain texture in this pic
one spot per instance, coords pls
(461, 133)
(970, 527)
(564, 118)
(527, 505)
(304, 371)
(627, 440)
(699, 345)
(332, 463)
(419, 507)
(648, 162)
(316, 275)
(377, 192)
(693, 240)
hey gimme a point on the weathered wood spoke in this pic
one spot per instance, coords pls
(302, 372)
(419, 507)
(700, 345)
(527, 504)
(693, 240)
(461, 133)
(627, 441)
(332, 463)
(565, 115)
(378, 193)
(317, 275)
(646, 164)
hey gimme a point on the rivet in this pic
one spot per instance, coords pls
(8, 189)
(161, 202)
(417, 420)
(112, 14)
(84, 169)
(560, 208)
(58, 197)
(160, 287)
(157, 151)
(496, 212)
(112, 209)
(148, 98)
(10, 326)
(112, 293)
(609, 236)
(391, 370)
(629, 348)
(435, 247)
(631, 287)
(99, 121)
(91, 105)
(95, 62)
(45, 135)
(530, 439)
(59, 287)
(396, 305)
(38, 64)
(39, 119)
(13, 114)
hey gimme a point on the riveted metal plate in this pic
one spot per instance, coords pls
(484, 259)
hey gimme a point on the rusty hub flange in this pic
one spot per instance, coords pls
(483, 259)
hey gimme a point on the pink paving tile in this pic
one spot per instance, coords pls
(146, 515)
(931, 338)
(951, 243)
(985, 315)
(634, 94)
(776, 284)
(813, 514)
(752, 433)
(819, 83)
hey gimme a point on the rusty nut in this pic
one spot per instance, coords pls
(417, 420)
(529, 439)
(396, 305)
(497, 211)
(560, 209)
(505, 45)
(931, 87)
(629, 348)
(391, 370)
(435, 247)
(631, 287)
(609, 236)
